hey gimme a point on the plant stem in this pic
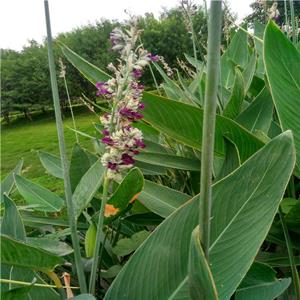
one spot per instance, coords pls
(293, 21)
(295, 275)
(208, 135)
(286, 14)
(63, 156)
(9, 281)
(99, 237)
(71, 109)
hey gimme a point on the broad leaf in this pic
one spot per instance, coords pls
(258, 115)
(88, 70)
(158, 269)
(128, 245)
(249, 71)
(8, 182)
(169, 161)
(40, 197)
(183, 122)
(261, 283)
(19, 254)
(80, 164)
(12, 224)
(51, 163)
(87, 187)
(161, 199)
(282, 61)
(84, 297)
(235, 101)
(201, 282)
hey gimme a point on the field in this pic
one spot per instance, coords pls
(22, 139)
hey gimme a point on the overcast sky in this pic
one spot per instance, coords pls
(22, 20)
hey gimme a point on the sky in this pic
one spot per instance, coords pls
(23, 20)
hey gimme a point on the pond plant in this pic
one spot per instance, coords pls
(192, 191)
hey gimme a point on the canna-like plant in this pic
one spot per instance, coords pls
(143, 240)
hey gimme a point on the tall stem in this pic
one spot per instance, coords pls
(71, 109)
(99, 237)
(293, 21)
(208, 135)
(295, 275)
(63, 156)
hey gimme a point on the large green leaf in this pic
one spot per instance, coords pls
(40, 197)
(88, 186)
(80, 164)
(8, 182)
(51, 163)
(84, 297)
(235, 101)
(161, 199)
(241, 219)
(170, 161)
(183, 122)
(261, 283)
(258, 115)
(88, 70)
(282, 61)
(12, 224)
(249, 71)
(201, 282)
(16, 253)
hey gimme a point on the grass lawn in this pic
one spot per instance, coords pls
(23, 138)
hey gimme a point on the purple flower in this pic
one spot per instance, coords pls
(140, 144)
(127, 159)
(112, 166)
(105, 132)
(153, 57)
(137, 73)
(107, 140)
(102, 88)
(141, 106)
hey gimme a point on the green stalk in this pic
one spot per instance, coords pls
(99, 237)
(210, 104)
(293, 21)
(286, 13)
(71, 109)
(63, 156)
(295, 275)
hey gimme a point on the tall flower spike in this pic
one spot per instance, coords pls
(121, 139)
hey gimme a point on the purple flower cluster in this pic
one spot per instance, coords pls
(122, 140)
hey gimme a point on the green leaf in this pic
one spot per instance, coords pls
(201, 282)
(144, 219)
(158, 269)
(42, 198)
(261, 283)
(88, 70)
(84, 297)
(12, 224)
(51, 245)
(128, 245)
(19, 254)
(276, 259)
(258, 115)
(111, 272)
(293, 218)
(169, 161)
(80, 164)
(17, 293)
(235, 101)
(51, 163)
(249, 72)
(89, 241)
(183, 123)
(88, 186)
(282, 61)
(148, 169)
(161, 199)
(8, 182)
(259, 32)
(128, 190)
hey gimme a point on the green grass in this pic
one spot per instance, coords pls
(22, 139)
